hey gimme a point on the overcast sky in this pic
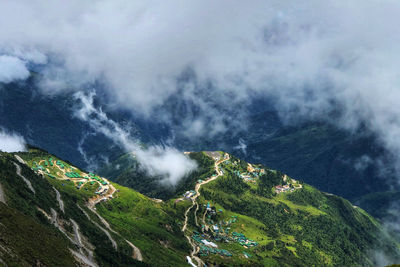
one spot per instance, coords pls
(308, 54)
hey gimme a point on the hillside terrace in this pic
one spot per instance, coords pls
(60, 170)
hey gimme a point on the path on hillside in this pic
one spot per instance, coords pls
(114, 244)
(79, 255)
(60, 202)
(137, 254)
(204, 220)
(83, 258)
(2, 196)
(94, 200)
(20, 159)
(77, 235)
(28, 183)
(194, 200)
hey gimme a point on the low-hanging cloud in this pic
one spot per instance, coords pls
(312, 57)
(11, 142)
(12, 69)
(164, 161)
(241, 146)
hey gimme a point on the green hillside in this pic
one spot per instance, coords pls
(300, 227)
(226, 213)
(125, 170)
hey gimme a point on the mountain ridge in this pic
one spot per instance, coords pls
(271, 217)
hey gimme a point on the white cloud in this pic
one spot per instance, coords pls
(241, 146)
(12, 68)
(11, 142)
(165, 161)
(168, 162)
(312, 56)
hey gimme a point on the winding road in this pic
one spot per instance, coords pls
(28, 183)
(60, 202)
(20, 159)
(114, 244)
(195, 249)
(2, 196)
(137, 255)
(78, 239)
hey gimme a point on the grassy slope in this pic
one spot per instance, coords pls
(302, 228)
(126, 171)
(147, 225)
(23, 227)
(134, 216)
(45, 198)
(323, 157)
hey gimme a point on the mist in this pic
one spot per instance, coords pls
(12, 69)
(313, 58)
(167, 162)
(11, 142)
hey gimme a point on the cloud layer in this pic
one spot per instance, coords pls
(167, 162)
(12, 68)
(10, 142)
(313, 57)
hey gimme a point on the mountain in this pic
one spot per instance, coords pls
(126, 170)
(328, 158)
(331, 159)
(49, 121)
(232, 213)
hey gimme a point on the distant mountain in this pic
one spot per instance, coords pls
(48, 121)
(330, 159)
(335, 161)
(385, 207)
(232, 213)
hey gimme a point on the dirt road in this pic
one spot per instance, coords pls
(114, 244)
(28, 183)
(94, 200)
(60, 202)
(194, 200)
(137, 255)
(84, 259)
(78, 239)
(2, 196)
(20, 159)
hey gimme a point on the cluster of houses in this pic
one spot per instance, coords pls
(252, 173)
(106, 198)
(243, 240)
(70, 174)
(189, 194)
(283, 189)
(220, 233)
(205, 251)
(293, 185)
(73, 175)
(208, 247)
(101, 190)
